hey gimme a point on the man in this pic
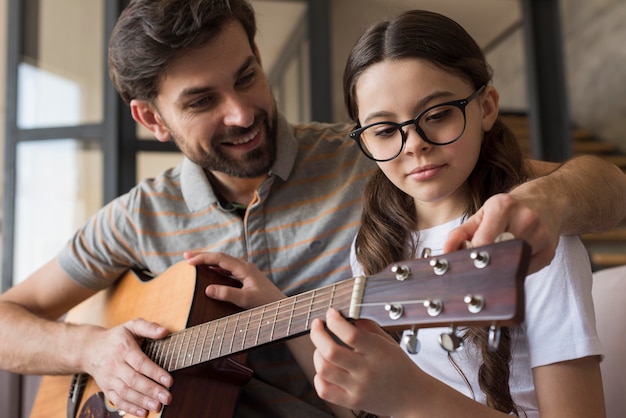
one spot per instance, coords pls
(284, 198)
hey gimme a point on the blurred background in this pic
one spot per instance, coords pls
(68, 145)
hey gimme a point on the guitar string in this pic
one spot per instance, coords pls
(173, 344)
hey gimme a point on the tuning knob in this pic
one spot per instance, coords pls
(439, 265)
(451, 341)
(481, 258)
(402, 272)
(494, 338)
(410, 341)
(475, 303)
(395, 310)
(433, 307)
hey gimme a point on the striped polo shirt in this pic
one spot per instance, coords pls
(298, 230)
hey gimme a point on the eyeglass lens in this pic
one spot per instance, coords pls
(440, 125)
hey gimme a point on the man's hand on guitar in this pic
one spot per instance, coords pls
(126, 376)
(522, 216)
(256, 289)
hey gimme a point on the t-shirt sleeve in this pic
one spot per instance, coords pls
(560, 319)
(104, 248)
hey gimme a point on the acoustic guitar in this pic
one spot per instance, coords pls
(206, 353)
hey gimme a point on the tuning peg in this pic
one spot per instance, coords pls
(494, 338)
(426, 252)
(402, 272)
(475, 303)
(395, 310)
(439, 265)
(481, 258)
(451, 341)
(433, 307)
(410, 341)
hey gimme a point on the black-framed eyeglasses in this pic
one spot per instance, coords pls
(440, 124)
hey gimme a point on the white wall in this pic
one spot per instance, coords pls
(483, 19)
(3, 57)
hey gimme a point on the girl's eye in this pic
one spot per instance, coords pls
(438, 115)
(385, 131)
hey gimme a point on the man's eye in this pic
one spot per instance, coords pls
(246, 79)
(202, 102)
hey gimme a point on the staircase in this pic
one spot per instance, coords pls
(607, 249)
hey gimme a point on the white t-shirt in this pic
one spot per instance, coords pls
(559, 323)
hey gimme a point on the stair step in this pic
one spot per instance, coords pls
(617, 159)
(604, 260)
(606, 249)
(594, 147)
(615, 235)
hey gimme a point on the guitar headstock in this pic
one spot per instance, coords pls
(480, 286)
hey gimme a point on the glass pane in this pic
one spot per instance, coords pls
(284, 50)
(151, 164)
(144, 134)
(60, 77)
(59, 185)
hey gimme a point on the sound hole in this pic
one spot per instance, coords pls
(97, 406)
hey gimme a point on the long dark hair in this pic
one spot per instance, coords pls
(389, 216)
(151, 33)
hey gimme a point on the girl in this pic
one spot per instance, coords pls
(436, 169)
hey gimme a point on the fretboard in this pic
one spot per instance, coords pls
(231, 334)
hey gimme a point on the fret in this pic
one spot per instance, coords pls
(221, 337)
(206, 327)
(332, 297)
(308, 315)
(179, 345)
(293, 308)
(157, 354)
(274, 322)
(234, 333)
(187, 357)
(210, 357)
(170, 351)
(245, 330)
(196, 332)
(258, 331)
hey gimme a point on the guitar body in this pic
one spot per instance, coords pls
(176, 300)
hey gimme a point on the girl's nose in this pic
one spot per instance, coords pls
(414, 142)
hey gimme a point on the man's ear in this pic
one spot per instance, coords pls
(489, 100)
(146, 114)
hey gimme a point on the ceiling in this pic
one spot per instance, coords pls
(485, 20)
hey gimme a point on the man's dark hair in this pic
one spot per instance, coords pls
(151, 33)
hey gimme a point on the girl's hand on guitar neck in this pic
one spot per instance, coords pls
(256, 289)
(126, 376)
(370, 372)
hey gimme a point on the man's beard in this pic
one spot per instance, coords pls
(253, 164)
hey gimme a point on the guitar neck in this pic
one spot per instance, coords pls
(475, 287)
(235, 333)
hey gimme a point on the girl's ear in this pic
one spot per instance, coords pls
(489, 101)
(147, 115)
